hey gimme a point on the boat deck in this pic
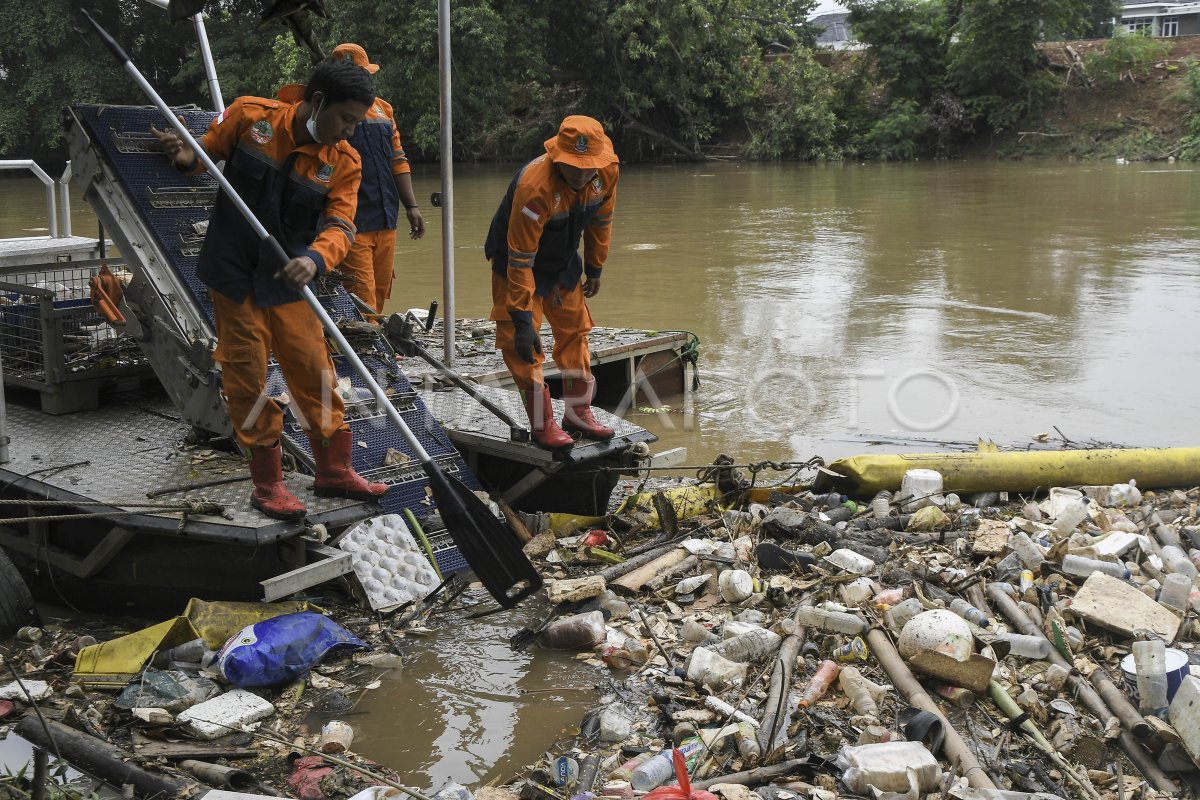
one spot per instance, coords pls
(631, 365)
(134, 452)
(22, 250)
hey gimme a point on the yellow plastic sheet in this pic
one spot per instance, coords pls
(215, 622)
(117, 662)
(688, 502)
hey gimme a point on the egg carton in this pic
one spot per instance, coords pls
(390, 565)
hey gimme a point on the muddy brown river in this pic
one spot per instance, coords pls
(837, 305)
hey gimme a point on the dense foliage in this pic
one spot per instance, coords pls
(962, 66)
(680, 79)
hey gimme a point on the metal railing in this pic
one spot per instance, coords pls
(47, 181)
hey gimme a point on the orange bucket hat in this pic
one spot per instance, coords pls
(355, 54)
(581, 143)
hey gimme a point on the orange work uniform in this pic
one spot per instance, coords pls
(306, 196)
(377, 141)
(533, 246)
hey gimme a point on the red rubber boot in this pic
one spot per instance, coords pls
(335, 473)
(271, 496)
(542, 427)
(577, 394)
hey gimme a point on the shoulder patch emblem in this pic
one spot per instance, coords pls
(262, 132)
(557, 199)
(325, 173)
(377, 109)
(597, 185)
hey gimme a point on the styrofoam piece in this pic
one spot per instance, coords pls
(390, 565)
(224, 714)
(38, 690)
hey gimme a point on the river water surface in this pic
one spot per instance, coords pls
(836, 305)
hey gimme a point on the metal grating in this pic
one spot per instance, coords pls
(172, 204)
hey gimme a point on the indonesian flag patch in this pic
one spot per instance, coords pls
(532, 210)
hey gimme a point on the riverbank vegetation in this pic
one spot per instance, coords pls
(690, 79)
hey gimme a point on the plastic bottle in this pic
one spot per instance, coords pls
(747, 741)
(1150, 660)
(1084, 567)
(660, 769)
(1177, 561)
(953, 502)
(748, 646)
(881, 505)
(836, 621)
(1175, 591)
(712, 670)
(969, 612)
(614, 605)
(693, 631)
(1027, 550)
(1074, 513)
(1024, 646)
(861, 692)
(625, 771)
(898, 615)
(820, 682)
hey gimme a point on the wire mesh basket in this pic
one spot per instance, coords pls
(52, 340)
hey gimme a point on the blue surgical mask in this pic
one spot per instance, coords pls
(311, 123)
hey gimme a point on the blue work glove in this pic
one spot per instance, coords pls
(527, 341)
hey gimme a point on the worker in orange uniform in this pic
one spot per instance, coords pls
(386, 185)
(290, 163)
(533, 245)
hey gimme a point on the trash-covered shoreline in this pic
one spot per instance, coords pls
(772, 642)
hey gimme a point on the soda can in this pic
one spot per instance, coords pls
(855, 650)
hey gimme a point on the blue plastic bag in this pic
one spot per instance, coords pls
(281, 649)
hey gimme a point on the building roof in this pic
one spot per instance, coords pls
(836, 27)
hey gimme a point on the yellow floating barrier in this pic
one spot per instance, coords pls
(1018, 472)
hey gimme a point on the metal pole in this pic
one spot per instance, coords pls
(447, 145)
(3, 421)
(64, 200)
(210, 69)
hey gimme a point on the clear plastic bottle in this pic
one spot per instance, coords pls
(1150, 660)
(1075, 513)
(1177, 561)
(825, 675)
(749, 646)
(1027, 550)
(898, 615)
(837, 621)
(1175, 591)
(659, 769)
(881, 505)
(953, 502)
(624, 771)
(860, 691)
(1084, 567)
(969, 612)
(1024, 646)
